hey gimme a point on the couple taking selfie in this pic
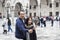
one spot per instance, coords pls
(24, 29)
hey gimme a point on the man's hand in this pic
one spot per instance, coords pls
(30, 31)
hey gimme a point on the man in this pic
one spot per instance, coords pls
(9, 25)
(41, 21)
(44, 21)
(20, 32)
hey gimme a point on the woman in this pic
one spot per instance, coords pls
(29, 25)
(5, 26)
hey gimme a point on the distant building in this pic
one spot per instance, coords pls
(34, 8)
(50, 7)
(11, 7)
(45, 8)
(31, 7)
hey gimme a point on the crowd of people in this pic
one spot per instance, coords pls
(25, 28)
(42, 21)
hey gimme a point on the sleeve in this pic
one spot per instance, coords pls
(21, 27)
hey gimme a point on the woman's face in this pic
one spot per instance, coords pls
(29, 21)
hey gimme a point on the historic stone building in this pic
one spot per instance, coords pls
(34, 9)
(50, 7)
(11, 7)
(31, 7)
(44, 8)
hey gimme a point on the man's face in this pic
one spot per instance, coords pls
(22, 14)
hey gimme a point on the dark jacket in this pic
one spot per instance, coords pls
(9, 22)
(41, 20)
(20, 31)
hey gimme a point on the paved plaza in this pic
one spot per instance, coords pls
(44, 33)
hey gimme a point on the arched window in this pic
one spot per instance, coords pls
(30, 6)
(57, 13)
(34, 6)
(50, 5)
(57, 4)
(50, 13)
(18, 7)
(35, 14)
(30, 14)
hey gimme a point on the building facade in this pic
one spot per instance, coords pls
(34, 8)
(31, 7)
(45, 8)
(11, 7)
(50, 7)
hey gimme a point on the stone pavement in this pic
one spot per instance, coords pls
(45, 33)
(49, 33)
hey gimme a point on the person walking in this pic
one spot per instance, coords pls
(44, 21)
(41, 20)
(9, 25)
(52, 21)
(4, 25)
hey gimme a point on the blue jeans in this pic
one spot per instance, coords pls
(9, 28)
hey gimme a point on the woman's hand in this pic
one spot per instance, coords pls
(30, 31)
